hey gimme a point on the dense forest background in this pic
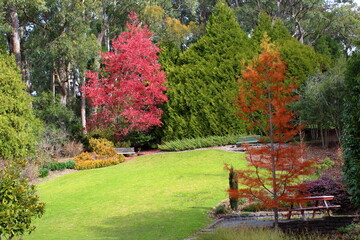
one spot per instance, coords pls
(205, 45)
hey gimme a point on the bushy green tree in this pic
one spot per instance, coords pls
(203, 85)
(321, 101)
(301, 60)
(19, 202)
(18, 125)
(351, 136)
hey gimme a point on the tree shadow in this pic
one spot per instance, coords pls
(167, 225)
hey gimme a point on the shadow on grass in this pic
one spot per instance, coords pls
(167, 225)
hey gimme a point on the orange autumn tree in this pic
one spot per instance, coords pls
(276, 167)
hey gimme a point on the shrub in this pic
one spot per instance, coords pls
(31, 171)
(61, 165)
(330, 186)
(85, 156)
(255, 207)
(70, 164)
(81, 165)
(56, 166)
(43, 172)
(192, 143)
(19, 202)
(221, 209)
(121, 158)
(72, 148)
(102, 147)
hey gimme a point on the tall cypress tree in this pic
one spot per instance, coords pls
(18, 125)
(203, 85)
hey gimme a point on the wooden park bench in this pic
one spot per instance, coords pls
(321, 203)
(125, 151)
(248, 139)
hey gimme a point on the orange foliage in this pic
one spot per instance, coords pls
(275, 168)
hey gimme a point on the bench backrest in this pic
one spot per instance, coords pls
(250, 138)
(125, 150)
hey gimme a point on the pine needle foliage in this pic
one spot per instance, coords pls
(202, 86)
(18, 125)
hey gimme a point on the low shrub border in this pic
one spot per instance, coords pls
(44, 170)
(192, 143)
(89, 164)
(103, 155)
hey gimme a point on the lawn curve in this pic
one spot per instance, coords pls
(159, 196)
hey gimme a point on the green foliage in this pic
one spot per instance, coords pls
(61, 165)
(329, 47)
(52, 113)
(325, 164)
(301, 60)
(351, 136)
(19, 202)
(18, 126)
(200, 142)
(203, 84)
(43, 172)
(221, 209)
(322, 97)
(55, 166)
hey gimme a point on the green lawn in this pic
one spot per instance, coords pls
(160, 196)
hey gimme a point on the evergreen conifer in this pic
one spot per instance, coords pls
(203, 84)
(18, 125)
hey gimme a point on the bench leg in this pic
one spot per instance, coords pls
(303, 215)
(328, 212)
(314, 213)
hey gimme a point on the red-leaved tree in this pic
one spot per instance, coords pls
(127, 93)
(275, 167)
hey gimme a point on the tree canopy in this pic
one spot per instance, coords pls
(127, 93)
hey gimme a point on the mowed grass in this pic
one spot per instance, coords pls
(159, 196)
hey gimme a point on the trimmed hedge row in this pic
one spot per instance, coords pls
(192, 143)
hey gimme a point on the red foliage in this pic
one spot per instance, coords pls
(275, 168)
(128, 92)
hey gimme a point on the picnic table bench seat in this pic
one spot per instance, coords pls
(248, 139)
(125, 151)
(317, 207)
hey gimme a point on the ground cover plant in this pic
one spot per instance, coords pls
(159, 196)
(254, 234)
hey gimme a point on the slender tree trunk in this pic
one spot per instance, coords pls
(15, 36)
(83, 108)
(273, 163)
(63, 82)
(53, 87)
